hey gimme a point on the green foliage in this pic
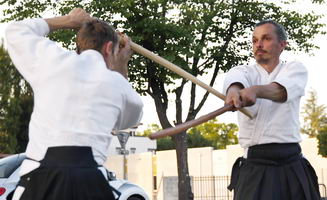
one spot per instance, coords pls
(314, 115)
(219, 134)
(196, 139)
(165, 144)
(151, 129)
(315, 122)
(319, 1)
(16, 104)
(162, 143)
(322, 142)
(211, 133)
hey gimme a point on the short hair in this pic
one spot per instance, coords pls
(94, 34)
(279, 29)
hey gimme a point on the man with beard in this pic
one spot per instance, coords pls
(272, 167)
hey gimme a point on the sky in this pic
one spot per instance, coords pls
(315, 64)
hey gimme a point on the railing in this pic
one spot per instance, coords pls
(323, 190)
(215, 188)
(211, 188)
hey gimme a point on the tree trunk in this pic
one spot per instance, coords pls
(184, 180)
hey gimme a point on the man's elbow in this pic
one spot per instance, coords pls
(281, 95)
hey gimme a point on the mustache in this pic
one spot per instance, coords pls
(260, 51)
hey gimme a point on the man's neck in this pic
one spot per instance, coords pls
(270, 66)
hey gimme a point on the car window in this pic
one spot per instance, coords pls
(9, 164)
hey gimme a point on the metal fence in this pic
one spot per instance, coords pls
(215, 188)
(323, 190)
(211, 188)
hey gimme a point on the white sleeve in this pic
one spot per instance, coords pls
(131, 108)
(132, 112)
(293, 77)
(29, 49)
(236, 75)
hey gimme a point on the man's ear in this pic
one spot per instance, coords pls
(283, 44)
(107, 48)
(106, 52)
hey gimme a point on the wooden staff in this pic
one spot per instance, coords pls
(183, 127)
(137, 48)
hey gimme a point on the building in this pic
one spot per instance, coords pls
(133, 144)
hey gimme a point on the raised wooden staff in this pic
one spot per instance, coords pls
(161, 61)
(183, 127)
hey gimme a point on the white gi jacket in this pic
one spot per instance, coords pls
(77, 99)
(273, 122)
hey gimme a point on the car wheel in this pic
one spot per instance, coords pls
(134, 198)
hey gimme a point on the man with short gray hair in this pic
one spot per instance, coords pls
(272, 167)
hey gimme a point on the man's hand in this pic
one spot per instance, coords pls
(73, 20)
(77, 17)
(248, 96)
(239, 97)
(233, 96)
(121, 57)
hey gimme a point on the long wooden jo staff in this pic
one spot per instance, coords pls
(139, 49)
(184, 126)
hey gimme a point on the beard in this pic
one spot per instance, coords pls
(261, 58)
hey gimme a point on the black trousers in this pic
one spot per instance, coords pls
(66, 173)
(274, 172)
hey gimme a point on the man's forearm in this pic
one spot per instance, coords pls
(272, 91)
(73, 20)
(56, 23)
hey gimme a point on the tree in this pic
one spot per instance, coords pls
(201, 36)
(194, 139)
(16, 104)
(322, 142)
(162, 143)
(315, 121)
(314, 116)
(219, 134)
(151, 129)
(165, 144)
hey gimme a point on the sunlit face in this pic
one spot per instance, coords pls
(266, 45)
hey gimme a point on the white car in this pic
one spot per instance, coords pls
(9, 177)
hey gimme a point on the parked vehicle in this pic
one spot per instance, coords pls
(9, 177)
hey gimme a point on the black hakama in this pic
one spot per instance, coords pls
(274, 172)
(66, 173)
